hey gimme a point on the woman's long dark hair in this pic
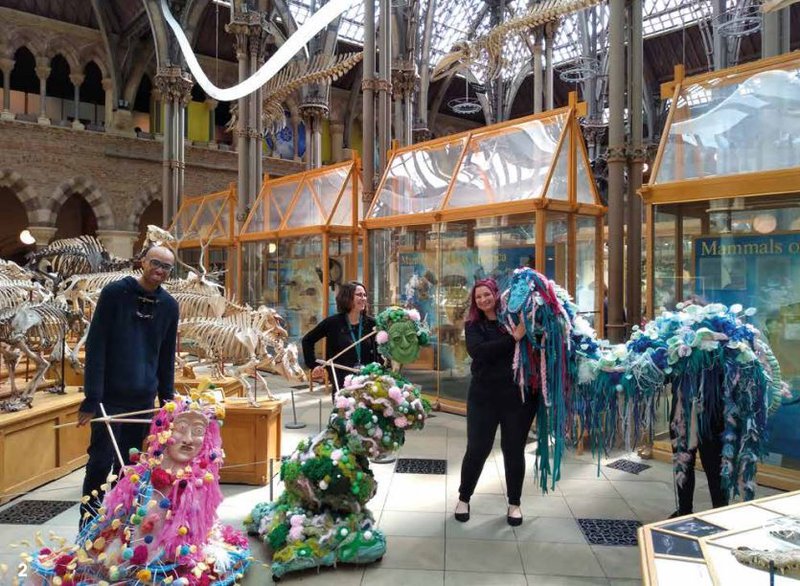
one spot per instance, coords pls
(346, 296)
(473, 313)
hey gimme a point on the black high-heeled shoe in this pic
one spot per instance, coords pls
(513, 521)
(462, 517)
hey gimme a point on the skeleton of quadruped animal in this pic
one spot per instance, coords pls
(246, 341)
(36, 330)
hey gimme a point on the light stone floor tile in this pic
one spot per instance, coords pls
(480, 527)
(411, 524)
(618, 561)
(588, 487)
(576, 470)
(628, 489)
(586, 507)
(540, 506)
(475, 555)
(539, 580)
(493, 579)
(378, 576)
(560, 559)
(551, 529)
(413, 553)
(486, 504)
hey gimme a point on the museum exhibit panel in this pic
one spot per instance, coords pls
(299, 243)
(207, 221)
(472, 205)
(723, 218)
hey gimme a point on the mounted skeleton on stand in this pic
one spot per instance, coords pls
(35, 330)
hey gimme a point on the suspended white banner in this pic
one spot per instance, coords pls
(318, 21)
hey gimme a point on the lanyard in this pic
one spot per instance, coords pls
(357, 340)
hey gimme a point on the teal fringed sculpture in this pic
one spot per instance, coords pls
(541, 362)
(321, 518)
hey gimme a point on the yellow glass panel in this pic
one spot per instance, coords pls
(734, 124)
(417, 180)
(280, 196)
(509, 165)
(306, 211)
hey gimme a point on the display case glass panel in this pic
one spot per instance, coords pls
(209, 221)
(585, 188)
(183, 220)
(257, 220)
(259, 277)
(585, 265)
(734, 123)
(328, 186)
(417, 180)
(280, 198)
(558, 188)
(556, 250)
(343, 214)
(510, 164)
(297, 264)
(307, 210)
(741, 251)
(191, 258)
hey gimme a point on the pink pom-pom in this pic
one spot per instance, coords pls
(382, 337)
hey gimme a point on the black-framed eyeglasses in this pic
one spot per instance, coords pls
(157, 264)
(145, 307)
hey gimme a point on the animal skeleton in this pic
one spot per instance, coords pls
(34, 329)
(322, 68)
(786, 562)
(247, 340)
(492, 43)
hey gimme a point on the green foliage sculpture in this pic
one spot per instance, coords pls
(321, 518)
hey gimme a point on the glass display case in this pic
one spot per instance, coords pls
(298, 244)
(207, 221)
(723, 219)
(481, 204)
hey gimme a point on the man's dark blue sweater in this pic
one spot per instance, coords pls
(130, 351)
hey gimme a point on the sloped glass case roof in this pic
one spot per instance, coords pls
(205, 218)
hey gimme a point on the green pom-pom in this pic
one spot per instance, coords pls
(277, 537)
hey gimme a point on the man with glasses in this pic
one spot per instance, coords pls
(130, 360)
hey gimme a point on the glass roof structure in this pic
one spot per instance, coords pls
(457, 20)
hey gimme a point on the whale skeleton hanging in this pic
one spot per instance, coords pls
(322, 69)
(35, 330)
(492, 43)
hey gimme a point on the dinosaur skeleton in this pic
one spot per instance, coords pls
(492, 43)
(34, 330)
(321, 69)
(14, 293)
(247, 340)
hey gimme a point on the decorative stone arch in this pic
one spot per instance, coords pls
(60, 45)
(94, 53)
(24, 193)
(25, 38)
(146, 196)
(86, 189)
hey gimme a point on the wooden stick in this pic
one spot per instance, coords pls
(372, 333)
(111, 433)
(101, 419)
(339, 366)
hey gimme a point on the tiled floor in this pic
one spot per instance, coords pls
(425, 544)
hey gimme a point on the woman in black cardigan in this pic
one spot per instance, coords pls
(494, 400)
(349, 324)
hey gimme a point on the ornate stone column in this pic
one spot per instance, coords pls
(404, 85)
(108, 87)
(368, 84)
(337, 141)
(43, 72)
(313, 112)
(6, 66)
(175, 86)
(157, 127)
(385, 85)
(549, 36)
(77, 81)
(118, 242)
(211, 106)
(538, 35)
(42, 234)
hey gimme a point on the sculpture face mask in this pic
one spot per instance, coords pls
(188, 432)
(403, 342)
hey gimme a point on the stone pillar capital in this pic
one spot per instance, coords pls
(175, 84)
(42, 234)
(118, 242)
(77, 79)
(6, 65)
(404, 82)
(211, 104)
(107, 83)
(42, 71)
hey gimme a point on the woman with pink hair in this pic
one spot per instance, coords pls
(493, 400)
(158, 525)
